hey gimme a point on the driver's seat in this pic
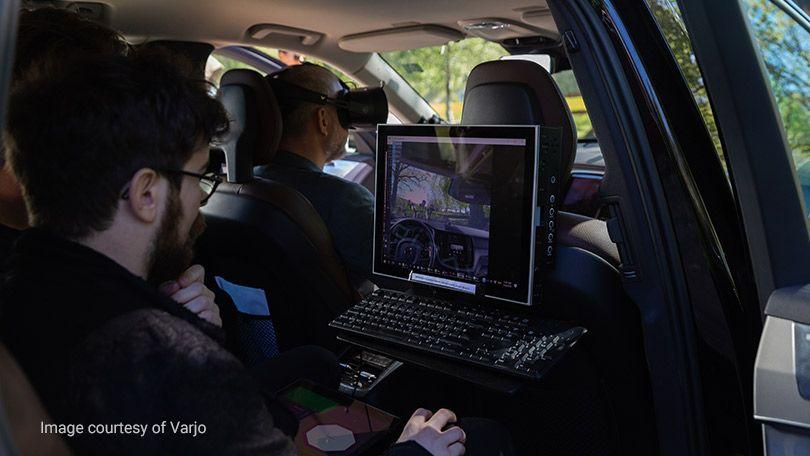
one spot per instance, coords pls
(265, 238)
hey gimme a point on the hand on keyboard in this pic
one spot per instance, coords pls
(425, 428)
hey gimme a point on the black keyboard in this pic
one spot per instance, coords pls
(487, 337)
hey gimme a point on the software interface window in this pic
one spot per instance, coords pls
(457, 210)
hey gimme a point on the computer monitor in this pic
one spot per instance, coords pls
(457, 208)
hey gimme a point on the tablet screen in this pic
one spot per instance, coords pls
(330, 423)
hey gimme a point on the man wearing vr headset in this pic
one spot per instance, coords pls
(317, 111)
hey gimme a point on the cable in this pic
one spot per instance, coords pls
(355, 385)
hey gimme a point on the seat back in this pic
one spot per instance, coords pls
(518, 92)
(585, 285)
(265, 235)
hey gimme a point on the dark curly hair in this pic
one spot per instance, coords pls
(76, 136)
(54, 34)
(50, 35)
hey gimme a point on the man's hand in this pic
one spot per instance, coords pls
(425, 428)
(190, 291)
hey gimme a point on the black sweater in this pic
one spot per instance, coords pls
(100, 345)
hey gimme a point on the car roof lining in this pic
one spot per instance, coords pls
(229, 22)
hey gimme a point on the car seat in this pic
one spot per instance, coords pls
(264, 239)
(585, 285)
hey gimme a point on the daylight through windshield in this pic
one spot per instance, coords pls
(439, 74)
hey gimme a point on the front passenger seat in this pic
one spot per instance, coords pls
(585, 285)
(264, 238)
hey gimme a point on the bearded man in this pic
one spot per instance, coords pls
(111, 154)
(312, 136)
(111, 159)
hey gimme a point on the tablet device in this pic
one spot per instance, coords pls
(334, 424)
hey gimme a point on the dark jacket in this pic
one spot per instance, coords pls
(100, 345)
(346, 208)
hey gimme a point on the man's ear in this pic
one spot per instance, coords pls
(145, 195)
(323, 121)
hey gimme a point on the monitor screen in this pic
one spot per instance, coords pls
(455, 208)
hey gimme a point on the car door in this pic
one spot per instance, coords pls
(756, 68)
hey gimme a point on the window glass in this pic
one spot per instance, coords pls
(218, 64)
(439, 73)
(785, 48)
(672, 27)
(568, 86)
(288, 58)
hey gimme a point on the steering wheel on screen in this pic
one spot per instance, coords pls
(413, 243)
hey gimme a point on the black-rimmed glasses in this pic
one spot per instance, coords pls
(208, 183)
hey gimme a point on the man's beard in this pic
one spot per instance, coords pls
(337, 150)
(170, 255)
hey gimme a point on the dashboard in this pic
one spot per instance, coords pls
(437, 245)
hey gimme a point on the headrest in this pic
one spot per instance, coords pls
(255, 122)
(196, 53)
(518, 92)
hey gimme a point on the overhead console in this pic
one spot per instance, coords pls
(497, 29)
(400, 39)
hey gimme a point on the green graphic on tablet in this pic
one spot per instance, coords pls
(330, 423)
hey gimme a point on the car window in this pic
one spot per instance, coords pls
(671, 23)
(288, 58)
(785, 48)
(568, 86)
(439, 73)
(219, 63)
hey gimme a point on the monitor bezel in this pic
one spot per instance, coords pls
(531, 133)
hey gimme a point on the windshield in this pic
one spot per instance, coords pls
(439, 75)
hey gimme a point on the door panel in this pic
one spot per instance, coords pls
(782, 366)
(763, 151)
(782, 387)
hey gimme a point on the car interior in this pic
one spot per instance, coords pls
(266, 235)
(586, 280)
(607, 396)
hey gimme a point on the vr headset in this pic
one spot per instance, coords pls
(357, 108)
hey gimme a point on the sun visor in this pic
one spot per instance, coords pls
(399, 39)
